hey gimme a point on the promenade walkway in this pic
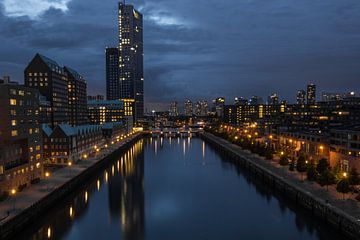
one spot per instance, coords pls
(348, 206)
(32, 194)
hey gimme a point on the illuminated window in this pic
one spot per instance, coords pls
(13, 122)
(13, 102)
(14, 133)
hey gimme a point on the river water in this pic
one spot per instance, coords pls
(179, 188)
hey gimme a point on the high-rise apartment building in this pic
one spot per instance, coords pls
(131, 72)
(301, 97)
(20, 137)
(51, 80)
(311, 94)
(174, 111)
(188, 108)
(273, 99)
(77, 97)
(112, 74)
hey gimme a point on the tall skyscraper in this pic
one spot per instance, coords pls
(219, 106)
(188, 108)
(300, 97)
(50, 79)
(112, 74)
(77, 97)
(174, 111)
(311, 94)
(273, 99)
(131, 72)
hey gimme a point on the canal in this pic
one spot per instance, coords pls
(178, 188)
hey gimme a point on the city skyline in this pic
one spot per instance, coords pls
(182, 52)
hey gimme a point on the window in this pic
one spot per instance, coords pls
(13, 122)
(13, 102)
(21, 93)
(14, 133)
(30, 131)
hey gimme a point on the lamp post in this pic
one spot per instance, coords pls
(13, 193)
(47, 175)
(69, 165)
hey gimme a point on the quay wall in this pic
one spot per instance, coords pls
(346, 224)
(9, 228)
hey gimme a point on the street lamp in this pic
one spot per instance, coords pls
(345, 175)
(47, 175)
(13, 193)
(69, 165)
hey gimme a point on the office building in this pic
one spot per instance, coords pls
(219, 106)
(77, 97)
(131, 72)
(112, 74)
(51, 81)
(273, 99)
(188, 107)
(311, 94)
(301, 97)
(20, 138)
(103, 111)
(174, 111)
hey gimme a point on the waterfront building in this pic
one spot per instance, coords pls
(65, 143)
(77, 97)
(188, 106)
(345, 147)
(51, 81)
(311, 94)
(131, 72)
(20, 138)
(112, 74)
(103, 111)
(174, 111)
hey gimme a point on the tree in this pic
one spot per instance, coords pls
(343, 186)
(312, 172)
(268, 154)
(322, 165)
(291, 166)
(284, 161)
(326, 178)
(301, 165)
(338, 175)
(354, 178)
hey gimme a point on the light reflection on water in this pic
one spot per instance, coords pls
(161, 190)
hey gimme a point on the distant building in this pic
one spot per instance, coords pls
(112, 74)
(273, 99)
(201, 108)
(240, 101)
(301, 97)
(256, 100)
(103, 111)
(311, 94)
(96, 98)
(77, 97)
(131, 72)
(21, 160)
(328, 97)
(174, 111)
(51, 80)
(188, 106)
(219, 106)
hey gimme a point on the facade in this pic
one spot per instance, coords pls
(112, 74)
(256, 100)
(311, 94)
(188, 107)
(96, 97)
(101, 112)
(66, 144)
(174, 111)
(201, 108)
(273, 99)
(219, 106)
(131, 72)
(51, 81)
(20, 138)
(301, 97)
(345, 147)
(77, 97)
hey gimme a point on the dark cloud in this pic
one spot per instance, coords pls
(201, 49)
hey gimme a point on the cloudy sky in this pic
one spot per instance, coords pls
(195, 49)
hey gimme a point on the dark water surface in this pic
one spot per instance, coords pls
(176, 189)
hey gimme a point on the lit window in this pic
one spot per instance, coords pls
(13, 102)
(13, 122)
(14, 133)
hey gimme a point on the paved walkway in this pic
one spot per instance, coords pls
(349, 206)
(30, 195)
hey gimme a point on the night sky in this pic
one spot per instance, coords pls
(195, 49)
